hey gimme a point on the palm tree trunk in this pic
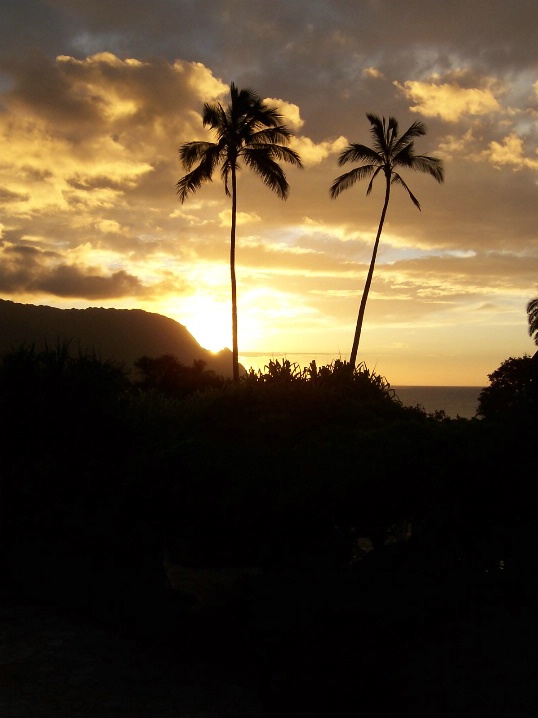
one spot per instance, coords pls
(235, 346)
(362, 308)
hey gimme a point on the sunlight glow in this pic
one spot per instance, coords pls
(208, 320)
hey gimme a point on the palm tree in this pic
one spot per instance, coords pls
(247, 130)
(532, 312)
(389, 152)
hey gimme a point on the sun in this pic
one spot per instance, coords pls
(209, 322)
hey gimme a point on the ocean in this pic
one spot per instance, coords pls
(455, 401)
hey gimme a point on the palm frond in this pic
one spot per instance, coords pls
(213, 115)
(226, 171)
(429, 165)
(191, 182)
(532, 312)
(203, 173)
(265, 116)
(275, 152)
(377, 128)
(396, 179)
(279, 135)
(192, 152)
(417, 129)
(260, 161)
(359, 153)
(348, 179)
(371, 182)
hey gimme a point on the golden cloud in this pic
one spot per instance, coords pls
(242, 218)
(290, 112)
(450, 102)
(373, 72)
(312, 153)
(201, 80)
(509, 152)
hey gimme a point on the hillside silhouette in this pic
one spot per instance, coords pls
(119, 335)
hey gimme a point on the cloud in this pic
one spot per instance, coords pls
(448, 101)
(511, 152)
(24, 268)
(70, 281)
(290, 112)
(242, 218)
(312, 153)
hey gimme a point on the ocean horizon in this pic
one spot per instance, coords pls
(455, 401)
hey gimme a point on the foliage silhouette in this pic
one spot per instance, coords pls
(247, 130)
(280, 479)
(513, 391)
(532, 313)
(167, 375)
(389, 152)
(114, 474)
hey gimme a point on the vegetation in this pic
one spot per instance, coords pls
(513, 390)
(246, 130)
(532, 313)
(168, 376)
(389, 152)
(289, 478)
(246, 473)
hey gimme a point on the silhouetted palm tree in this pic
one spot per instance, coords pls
(389, 152)
(532, 312)
(249, 130)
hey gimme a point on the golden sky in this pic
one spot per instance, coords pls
(96, 97)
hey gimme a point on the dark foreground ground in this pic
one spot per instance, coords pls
(54, 665)
(459, 642)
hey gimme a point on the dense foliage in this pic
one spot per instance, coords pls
(513, 390)
(267, 466)
(290, 472)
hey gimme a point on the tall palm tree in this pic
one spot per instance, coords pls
(248, 130)
(532, 313)
(388, 153)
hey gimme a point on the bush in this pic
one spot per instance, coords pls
(513, 390)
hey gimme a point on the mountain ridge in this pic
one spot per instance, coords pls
(119, 335)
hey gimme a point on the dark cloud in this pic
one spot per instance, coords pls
(28, 269)
(6, 195)
(68, 281)
(86, 184)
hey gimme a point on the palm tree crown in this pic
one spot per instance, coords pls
(532, 313)
(388, 153)
(247, 130)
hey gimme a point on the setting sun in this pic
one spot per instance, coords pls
(208, 321)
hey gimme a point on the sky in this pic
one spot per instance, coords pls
(97, 96)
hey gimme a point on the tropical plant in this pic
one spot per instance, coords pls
(247, 130)
(512, 391)
(389, 152)
(167, 375)
(532, 313)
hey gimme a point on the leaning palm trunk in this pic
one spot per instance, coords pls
(366, 290)
(388, 153)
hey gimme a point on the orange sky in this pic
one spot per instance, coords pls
(94, 104)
